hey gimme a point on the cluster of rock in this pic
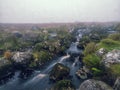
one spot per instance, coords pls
(18, 59)
(109, 58)
(59, 72)
(22, 57)
(112, 57)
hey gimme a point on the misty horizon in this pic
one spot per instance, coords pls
(62, 11)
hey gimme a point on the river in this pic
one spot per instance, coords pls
(40, 79)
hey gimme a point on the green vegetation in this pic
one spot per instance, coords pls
(115, 69)
(84, 41)
(64, 85)
(90, 48)
(115, 37)
(93, 62)
(109, 44)
(59, 72)
(41, 57)
(96, 72)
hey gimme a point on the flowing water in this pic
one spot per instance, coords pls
(40, 79)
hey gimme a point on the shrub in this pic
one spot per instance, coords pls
(42, 56)
(59, 72)
(7, 55)
(64, 85)
(115, 37)
(109, 44)
(91, 60)
(96, 71)
(90, 48)
(115, 69)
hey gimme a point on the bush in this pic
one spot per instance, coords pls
(109, 44)
(115, 69)
(64, 85)
(59, 72)
(84, 40)
(90, 48)
(7, 55)
(42, 57)
(115, 37)
(91, 60)
(96, 71)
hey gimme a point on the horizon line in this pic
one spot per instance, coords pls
(59, 22)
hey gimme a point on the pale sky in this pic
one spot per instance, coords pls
(47, 11)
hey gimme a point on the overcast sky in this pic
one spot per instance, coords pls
(46, 11)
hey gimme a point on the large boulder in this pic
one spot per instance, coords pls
(112, 57)
(117, 84)
(92, 84)
(22, 58)
(59, 72)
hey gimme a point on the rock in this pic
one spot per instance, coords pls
(94, 37)
(6, 68)
(92, 84)
(101, 52)
(82, 73)
(22, 59)
(112, 57)
(63, 85)
(59, 72)
(117, 84)
(17, 34)
(26, 73)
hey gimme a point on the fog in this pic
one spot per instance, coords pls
(47, 11)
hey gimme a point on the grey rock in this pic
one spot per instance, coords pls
(82, 73)
(112, 57)
(92, 84)
(22, 57)
(101, 52)
(117, 84)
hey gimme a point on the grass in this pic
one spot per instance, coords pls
(115, 68)
(64, 85)
(109, 44)
(91, 60)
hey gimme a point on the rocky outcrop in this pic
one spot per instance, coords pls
(101, 52)
(82, 73)
(117, 84)
(59, 72)
(92, 84)
(6, 68)
(22, 60)
(22, 57)
(112, 57)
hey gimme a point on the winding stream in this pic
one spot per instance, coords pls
(40, 79)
